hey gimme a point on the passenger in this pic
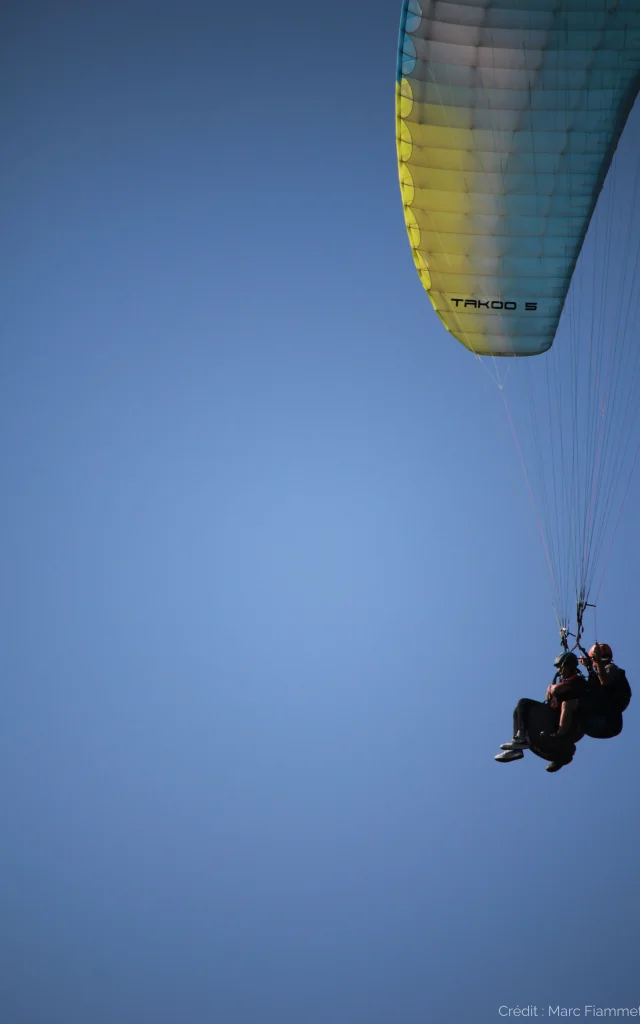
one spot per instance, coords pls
(563, 698)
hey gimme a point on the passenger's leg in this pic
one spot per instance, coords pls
(521, 716)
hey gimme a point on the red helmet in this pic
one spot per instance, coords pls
(605, 652)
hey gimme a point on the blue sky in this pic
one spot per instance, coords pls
(271, 581)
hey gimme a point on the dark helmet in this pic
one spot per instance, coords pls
(566, 660)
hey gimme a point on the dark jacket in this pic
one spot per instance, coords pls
(612, 696)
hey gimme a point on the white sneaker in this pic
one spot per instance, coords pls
(515, 745)
(509, 755)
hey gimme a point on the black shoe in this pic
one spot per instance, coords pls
(555, 766)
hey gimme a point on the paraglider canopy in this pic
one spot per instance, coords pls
(507, 120)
